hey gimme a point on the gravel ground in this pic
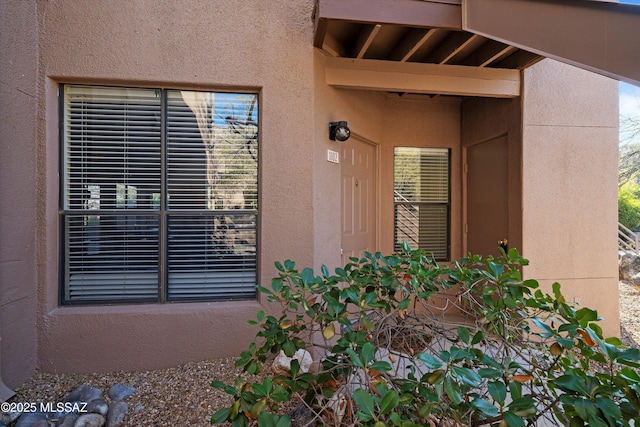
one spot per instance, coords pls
(181, 396)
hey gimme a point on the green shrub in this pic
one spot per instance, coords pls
(400, 340)
(629, 205)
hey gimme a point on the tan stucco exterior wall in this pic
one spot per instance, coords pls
(227, 44)
(18, 197)
(569, 193)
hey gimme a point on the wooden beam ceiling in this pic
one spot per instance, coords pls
(422, 78)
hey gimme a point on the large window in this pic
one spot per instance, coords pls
(159, 194)
(421, 199)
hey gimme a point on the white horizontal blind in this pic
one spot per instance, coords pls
(212, 170)
(111, 167)
(421, 196)
(136, 196)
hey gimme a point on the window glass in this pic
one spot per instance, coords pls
(421, 199)
(159, 194)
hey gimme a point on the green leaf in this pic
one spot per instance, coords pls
(217, 384)
(368, 352)
(485, 407)
(610, 409)
(489, 373)
(546, 329)
(463, 334)
(467, 376)
(366, 404)
(240, 421)
(585, 409)
(381, 365)
(350, 294)
(585, 315)
(389, 402)
(395, 419)
(523, 406)
(259, 390)
(260, 315)
(498, 391)
(355, 359)
(284, 421)
(307, 276)
(277, 284)
(513, 420)
(430, 361)
(479, 336)
(266, 419)
(289, 348)
(630, 354)
(404, 304)
(294, 366)
(453, 391)
(280, 394)
(325, 270)
(220, 416)
(571, 383)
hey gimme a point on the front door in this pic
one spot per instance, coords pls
(487, 196)
(358, 169)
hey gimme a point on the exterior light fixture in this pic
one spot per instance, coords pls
(339, 131)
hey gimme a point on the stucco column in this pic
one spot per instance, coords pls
(570, 174)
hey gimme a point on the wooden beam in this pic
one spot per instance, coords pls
(411, 43)
(602, 37)
(399, 12)
(364, 40)
(414, 77)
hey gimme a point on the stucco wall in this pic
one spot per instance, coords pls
(248, 44)
(18, 91)
(386, 121)
(570, 161)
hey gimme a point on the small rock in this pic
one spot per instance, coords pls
(67, 421)
(84, 393)
(8, 417)
(41, 423)
(116, 414)
(139, 407)
(30, 418)
(89, 420)
(282, 363)
(98, 406)
(121, 391)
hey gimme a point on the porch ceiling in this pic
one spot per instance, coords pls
(414, 47)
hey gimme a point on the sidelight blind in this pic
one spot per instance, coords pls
(159, 194)
(421, 199)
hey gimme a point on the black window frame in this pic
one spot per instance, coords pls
(164, 212)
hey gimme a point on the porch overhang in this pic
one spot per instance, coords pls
(452, 44)
(414, 47)
(598, 36)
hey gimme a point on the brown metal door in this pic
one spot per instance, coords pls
(487, 196)
(358, 168)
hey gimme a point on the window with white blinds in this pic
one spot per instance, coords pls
(421, 199)
(159, 194)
